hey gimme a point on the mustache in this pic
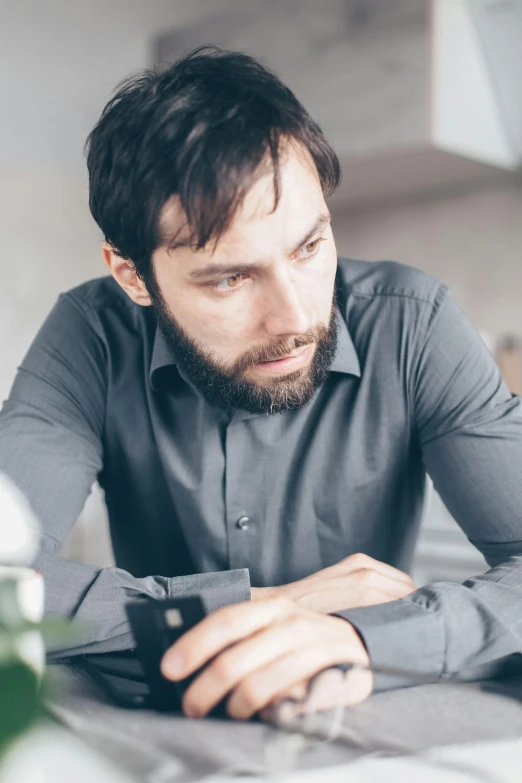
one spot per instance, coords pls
(271, 353)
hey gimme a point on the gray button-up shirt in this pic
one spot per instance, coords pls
(210, 500)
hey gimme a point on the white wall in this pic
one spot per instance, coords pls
(471, 240)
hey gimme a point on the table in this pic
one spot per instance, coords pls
(168, 747)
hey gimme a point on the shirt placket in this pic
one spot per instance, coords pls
(242, 517)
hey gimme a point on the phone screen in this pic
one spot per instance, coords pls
(156, 625)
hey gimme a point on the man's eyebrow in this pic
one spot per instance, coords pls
(210, 270)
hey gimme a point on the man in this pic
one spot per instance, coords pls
(261, 414)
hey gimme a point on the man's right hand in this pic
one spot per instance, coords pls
(358, 580)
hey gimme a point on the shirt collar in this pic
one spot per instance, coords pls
(345, 359)
(161, 357)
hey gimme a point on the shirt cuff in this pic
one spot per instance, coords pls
(400, 635)
(216, 589)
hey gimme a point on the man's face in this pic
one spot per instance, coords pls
(252, 321)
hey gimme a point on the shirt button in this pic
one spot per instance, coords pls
(243, 523)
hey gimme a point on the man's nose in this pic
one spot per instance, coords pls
(284, 310)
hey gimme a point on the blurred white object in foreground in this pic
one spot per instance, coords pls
(30, 598)
(18, 525)
(18, 540)
(49, 754)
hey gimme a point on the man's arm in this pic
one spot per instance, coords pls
(51, 430)
(469, 428)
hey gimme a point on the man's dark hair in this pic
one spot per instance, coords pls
(200, 129)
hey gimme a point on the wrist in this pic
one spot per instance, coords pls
(263, 593)
(357, 641)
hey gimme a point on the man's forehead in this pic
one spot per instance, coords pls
(300, 204)
(234, 253)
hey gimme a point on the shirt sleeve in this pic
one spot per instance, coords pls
(51, 436)
(469, 428)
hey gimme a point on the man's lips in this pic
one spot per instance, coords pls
(289, 363)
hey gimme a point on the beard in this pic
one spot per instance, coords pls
(228, 386)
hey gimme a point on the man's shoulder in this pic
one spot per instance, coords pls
(369, 279)
(107, 308)
(98, 294)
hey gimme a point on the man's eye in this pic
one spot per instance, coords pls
(311, 248)
(229, 283)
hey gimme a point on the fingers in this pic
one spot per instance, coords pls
(387, 570)
(390, 587)
(370, 587)
(277, 657)
(360, 562)
(239, 660)
(272, 681)
(373, 597)
(219, 630)
(283, 710)
(323, 692)
(327, 690)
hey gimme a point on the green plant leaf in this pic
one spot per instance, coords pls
(19, 702)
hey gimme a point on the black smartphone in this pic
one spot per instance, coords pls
(156, 625)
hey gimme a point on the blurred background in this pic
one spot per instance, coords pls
(421, 98)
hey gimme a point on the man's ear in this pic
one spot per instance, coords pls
(125, 275)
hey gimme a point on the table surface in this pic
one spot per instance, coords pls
(396, 722)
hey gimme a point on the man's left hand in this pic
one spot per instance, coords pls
(260, 653)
